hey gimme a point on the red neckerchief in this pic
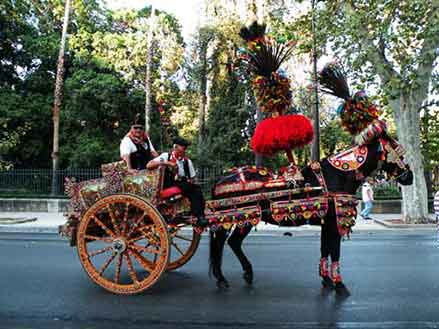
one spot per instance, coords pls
(174, 157)
(137, 140)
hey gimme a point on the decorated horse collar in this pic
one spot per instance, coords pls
(351, 159)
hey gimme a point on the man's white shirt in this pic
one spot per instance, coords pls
(180, 165)
(127, 146)
(367, 192)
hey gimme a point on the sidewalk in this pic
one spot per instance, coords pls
(48, 222)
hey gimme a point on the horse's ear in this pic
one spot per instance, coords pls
(377, 128)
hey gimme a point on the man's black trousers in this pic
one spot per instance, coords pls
(193, 192)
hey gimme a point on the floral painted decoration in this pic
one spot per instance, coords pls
(301, 211)
(351, 159)
(227, 218)
(346, 212)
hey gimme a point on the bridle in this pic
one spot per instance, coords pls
(393, 152)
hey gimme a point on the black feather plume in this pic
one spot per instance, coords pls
(333, 81)
(252, 32)
(264, 55)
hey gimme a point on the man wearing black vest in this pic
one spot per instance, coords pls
(136, 148)
(180, 172)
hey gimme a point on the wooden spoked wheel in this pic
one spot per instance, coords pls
(123, 243)
(184, 242)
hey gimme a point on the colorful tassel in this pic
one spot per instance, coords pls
(335, 272)
(324, 267)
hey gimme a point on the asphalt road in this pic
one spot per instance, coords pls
(393, 278)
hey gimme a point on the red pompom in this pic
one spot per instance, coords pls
(282, 133)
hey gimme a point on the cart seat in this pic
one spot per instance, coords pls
(170, 192)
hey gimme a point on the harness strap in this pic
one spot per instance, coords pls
(316, 169)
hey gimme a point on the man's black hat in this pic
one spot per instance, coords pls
(137, 122)
(181, 141)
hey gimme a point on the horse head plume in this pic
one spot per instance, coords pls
(333, 79)
(264, 54)
(253, 32)
(262, 57)
(357, 111)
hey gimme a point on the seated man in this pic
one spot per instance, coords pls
(136, 148)
(180, 172)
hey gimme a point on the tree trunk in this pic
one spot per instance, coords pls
(149, 56)
(414, 205)
(315, 150)
(57, 102)
(203, 97)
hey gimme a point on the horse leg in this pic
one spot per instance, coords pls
(217, 241)
(324, 253)
(235, 242)
(335, 244)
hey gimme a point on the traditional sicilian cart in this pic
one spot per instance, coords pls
(128, 230)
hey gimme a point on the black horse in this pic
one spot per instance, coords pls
(383, 153)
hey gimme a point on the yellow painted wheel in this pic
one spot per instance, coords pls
(123, 243)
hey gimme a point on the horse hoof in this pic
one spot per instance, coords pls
(248, 277)
(327, 282)
(222, 284)
(341, 290)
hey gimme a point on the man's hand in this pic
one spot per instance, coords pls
(170, 164)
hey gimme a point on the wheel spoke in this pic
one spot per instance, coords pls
(178, 248)
(118, 267)
(144, 234)
(100, 251)
(125, 219)
(131, 269)
(147, 249)
(183, 238)
(113, 219)
(105, 265)
(140, 237)
(146, 264)
(98, 238)
(137, 221)
(104, 227)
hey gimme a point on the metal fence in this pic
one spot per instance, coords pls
(37, 182)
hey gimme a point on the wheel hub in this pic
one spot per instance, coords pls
(119, 246)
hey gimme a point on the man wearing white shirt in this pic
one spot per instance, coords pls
(136, 148)
(180, 172)
(367, 196)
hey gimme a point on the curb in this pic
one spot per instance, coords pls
(18, 220)
(391, 225)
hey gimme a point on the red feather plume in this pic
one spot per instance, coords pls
(282, 133)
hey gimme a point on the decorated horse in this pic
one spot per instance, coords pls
(326, 189)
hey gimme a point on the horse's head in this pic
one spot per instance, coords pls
(390, 152)
(394, 163)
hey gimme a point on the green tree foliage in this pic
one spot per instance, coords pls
(104, 77)
(391, 46)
